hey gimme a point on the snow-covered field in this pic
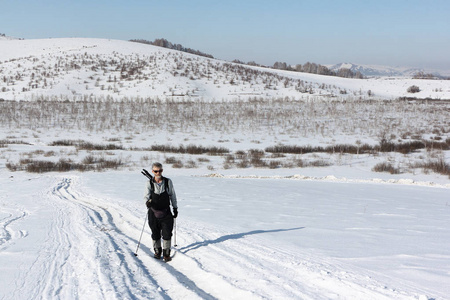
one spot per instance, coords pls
(72, 236)
(252, 224)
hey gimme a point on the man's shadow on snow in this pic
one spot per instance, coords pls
(231, 237)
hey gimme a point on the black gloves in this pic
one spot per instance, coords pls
(148, 204)
(175, 213)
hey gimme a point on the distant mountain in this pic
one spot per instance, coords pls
(372, 70)
(5, 37)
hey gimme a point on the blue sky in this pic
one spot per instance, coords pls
(394, 33)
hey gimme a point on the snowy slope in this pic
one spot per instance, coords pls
(73, 237)
(76, 68)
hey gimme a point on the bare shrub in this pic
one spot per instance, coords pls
(12, 167)
(39, 166)
(339, 148)
(299, 163)
(178, 165)
(49, 154)
(89, 160)
(256, 158)
(386, 167)
(438, 166)
(217, 151)
(103, 163)
(319, 163)
(413, 89)
(293, 149)
(11, 142)
(288, 164)
(409, 147)
(42, 166)
(190, 164)
(274, 164)
(171, 160)
(118, 139)
(384, 146)
(191, 149)
(226, 166)
(83, 145)
(64, 143)
(91, 146)
(230, 159)
(65, 165)
(243, 163)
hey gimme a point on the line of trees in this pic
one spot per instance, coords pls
(314, 68)
(422, 75)
(166, 44)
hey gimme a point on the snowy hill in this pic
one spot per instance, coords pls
(76, 68)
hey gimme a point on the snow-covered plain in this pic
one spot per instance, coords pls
(339, 231)
(72, 236)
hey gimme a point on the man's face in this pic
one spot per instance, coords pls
(157, 172)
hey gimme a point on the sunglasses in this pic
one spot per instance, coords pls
(157, 171)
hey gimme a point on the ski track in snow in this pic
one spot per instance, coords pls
(89, 253)
(6, 234)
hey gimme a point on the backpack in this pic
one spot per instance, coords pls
(166, 185)
(150, 177)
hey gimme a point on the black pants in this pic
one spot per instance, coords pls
(160, 227)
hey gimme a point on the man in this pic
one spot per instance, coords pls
(159, 195)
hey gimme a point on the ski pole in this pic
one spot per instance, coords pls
(146, 215)
(175, 236)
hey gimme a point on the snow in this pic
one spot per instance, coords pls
(72, 236)
(341, 231)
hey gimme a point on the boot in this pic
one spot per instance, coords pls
(158, 252)
(157, 247)
(166, 255)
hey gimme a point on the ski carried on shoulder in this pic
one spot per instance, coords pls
(146, 174)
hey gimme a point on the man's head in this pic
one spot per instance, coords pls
(157, 169)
